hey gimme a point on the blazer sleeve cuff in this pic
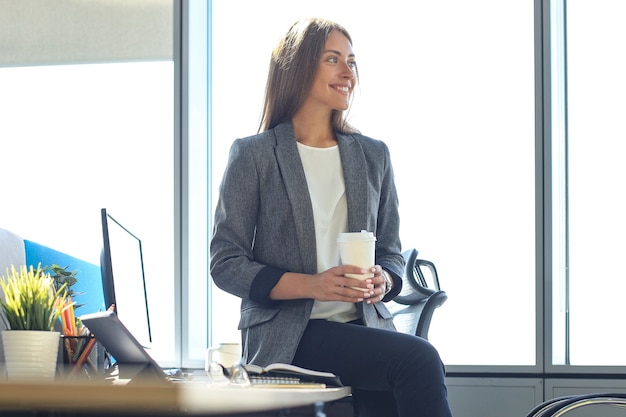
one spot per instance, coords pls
(263, 284)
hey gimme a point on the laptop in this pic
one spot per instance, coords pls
(132, 359)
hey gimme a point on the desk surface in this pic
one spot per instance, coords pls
(189, 397)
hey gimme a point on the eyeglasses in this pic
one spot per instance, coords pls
(235, 375)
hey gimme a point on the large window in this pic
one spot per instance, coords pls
(86, 126)
(82, 137)
(591, 286)
(449, 86)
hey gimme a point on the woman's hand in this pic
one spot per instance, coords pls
(332, 285)
(378, 282)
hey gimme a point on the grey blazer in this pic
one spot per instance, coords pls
(263, 227)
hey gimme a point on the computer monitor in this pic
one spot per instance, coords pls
(123, 277)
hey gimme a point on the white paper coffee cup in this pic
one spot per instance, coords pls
(358, 248)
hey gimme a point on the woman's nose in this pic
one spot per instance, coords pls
(348, 71)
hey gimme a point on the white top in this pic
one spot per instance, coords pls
(324, 177)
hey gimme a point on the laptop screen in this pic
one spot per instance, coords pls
(133, 359)
(123, 277)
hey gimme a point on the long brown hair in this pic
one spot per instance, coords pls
(292, 71)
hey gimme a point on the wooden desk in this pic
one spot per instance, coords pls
(77, 398)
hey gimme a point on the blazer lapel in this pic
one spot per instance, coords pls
(355, 177)
(292, 173)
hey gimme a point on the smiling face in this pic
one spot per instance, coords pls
(336, 75)
(312, 76)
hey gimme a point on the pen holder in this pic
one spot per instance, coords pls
(79, 356)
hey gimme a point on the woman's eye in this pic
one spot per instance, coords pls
(335, 60)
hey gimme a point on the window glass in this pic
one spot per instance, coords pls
(449, 86)
(596, 169)
(77, 138)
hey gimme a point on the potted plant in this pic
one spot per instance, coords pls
(76, 337)
(31, 307)
(63, 277)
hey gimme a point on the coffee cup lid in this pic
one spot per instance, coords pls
(363, 235)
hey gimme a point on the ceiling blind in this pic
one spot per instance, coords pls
(44, 32)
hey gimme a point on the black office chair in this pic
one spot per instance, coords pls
(421, 295)
(561, 406)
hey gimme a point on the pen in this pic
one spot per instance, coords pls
(80, 362)
(66, 320)
(72, 322)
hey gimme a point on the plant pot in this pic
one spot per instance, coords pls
(30, 354)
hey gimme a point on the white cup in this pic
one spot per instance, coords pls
(227, 354)
(358, 248)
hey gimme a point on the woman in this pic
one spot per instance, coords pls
(286, 194)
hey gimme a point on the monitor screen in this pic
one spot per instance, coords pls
(123, 278)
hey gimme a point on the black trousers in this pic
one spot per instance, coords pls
(391, 374)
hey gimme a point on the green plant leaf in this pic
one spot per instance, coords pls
(31, 299)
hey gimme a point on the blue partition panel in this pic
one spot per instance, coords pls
(89, 286)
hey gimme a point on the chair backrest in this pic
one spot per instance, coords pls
(421, 295)
(560, 406)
